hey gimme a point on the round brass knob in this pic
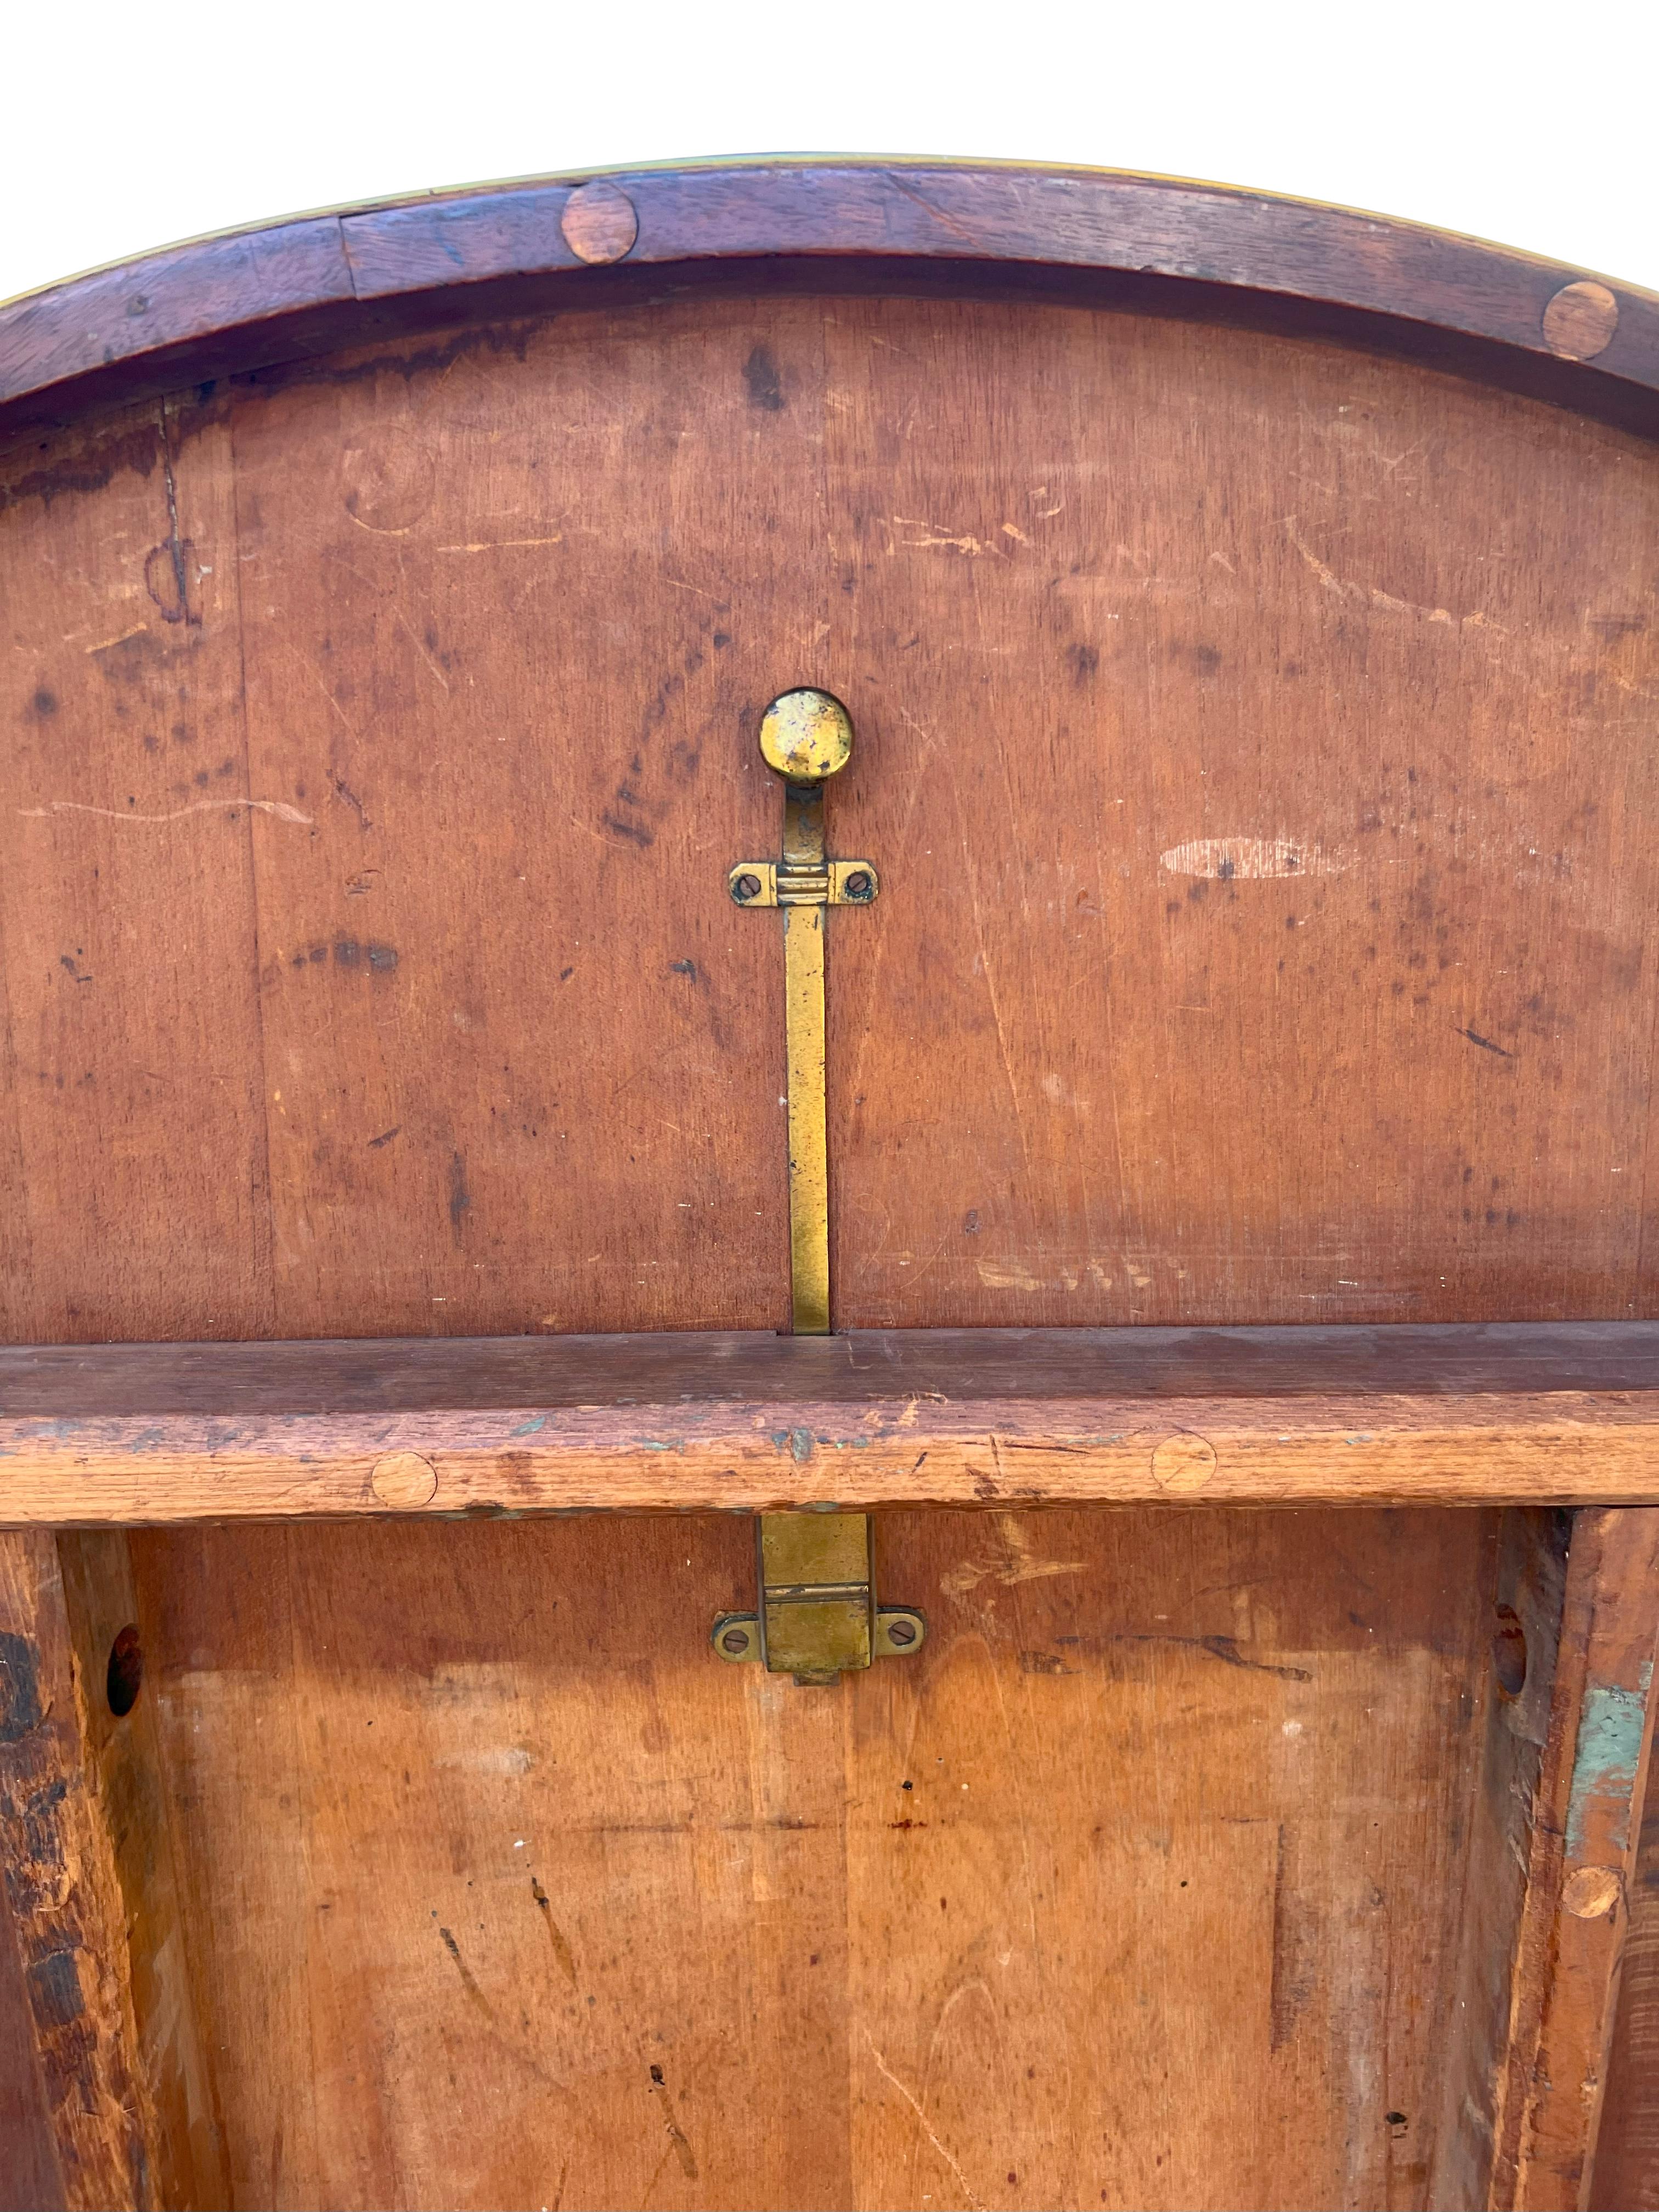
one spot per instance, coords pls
(806, 736)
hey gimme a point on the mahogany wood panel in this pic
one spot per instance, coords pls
(1165, 875)
(506, 1002)
(1253, 918)
(1135, 1888)
(133, 1122)
(294, 288)
(150, 1433)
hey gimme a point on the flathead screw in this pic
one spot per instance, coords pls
(745, 888)
(859, 885)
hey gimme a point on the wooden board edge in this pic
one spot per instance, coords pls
(147, 1472)
(66, 1899)
(1581, 1864)
(293, 289)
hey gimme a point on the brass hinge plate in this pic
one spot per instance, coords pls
(818, 1616)
(838, 883)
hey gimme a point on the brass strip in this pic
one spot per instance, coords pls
(817, 1617)
(809, 1140)
(803, 858)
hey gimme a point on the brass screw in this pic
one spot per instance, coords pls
(735, 1642)
(746, 888)
(859, 885)
(902, 1632)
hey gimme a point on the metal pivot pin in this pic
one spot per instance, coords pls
(818, 1616)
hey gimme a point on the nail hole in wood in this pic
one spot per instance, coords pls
(1509, 1653)
(125, 1676)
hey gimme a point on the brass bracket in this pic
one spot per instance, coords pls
(818, 1616)
(838, 883)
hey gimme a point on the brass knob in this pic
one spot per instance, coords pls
(807, 735)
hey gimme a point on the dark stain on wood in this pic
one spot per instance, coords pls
(20, 1688)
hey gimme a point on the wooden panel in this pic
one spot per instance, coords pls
(135, 1194)
(479, 581)
(1116, 1895)
(1252, 747)
(517, 1080)
(683, 1420)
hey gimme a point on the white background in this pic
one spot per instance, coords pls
(127, 128)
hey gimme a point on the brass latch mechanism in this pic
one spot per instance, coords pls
(818, 1615)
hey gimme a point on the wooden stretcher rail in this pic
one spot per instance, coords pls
(1524, 1413)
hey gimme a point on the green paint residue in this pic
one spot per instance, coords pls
(1608, 1754)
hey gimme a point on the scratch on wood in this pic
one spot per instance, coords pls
(1373, 595)
(1018, 1566)
(937, 536)
(1293, 1970)
(107, 644)
(888, 2075)
(676, 2134)
(1486, 1044)
(496, 545)
(562, 1950)
(946, 221)
(1225, 1648)
(468, 1984)
(1223, 858)
(278, 807)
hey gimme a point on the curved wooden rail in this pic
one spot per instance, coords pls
(232, 304)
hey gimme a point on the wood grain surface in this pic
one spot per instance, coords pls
(1627, 2167)
(293, 289)
(140, 1815)
(1254, 743)
(1134, 1888)
(65, 1902)
(1583, 1850)
(153, 1433)
(367, 955)
(29, 2178)
(1507, 1874)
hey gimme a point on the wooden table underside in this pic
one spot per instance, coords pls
(1246, 609)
